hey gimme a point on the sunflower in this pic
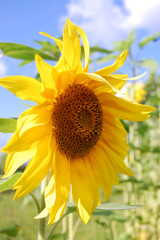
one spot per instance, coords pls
(74, 133)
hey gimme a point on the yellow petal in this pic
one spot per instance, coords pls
(116, 159)
(104, 172)
(86, 47)
(28, 138)
(37, 168)
(136, 78)
(35, 116)
(117, 81)
(33, 124)
(114, 124)
(58, 41)
(95, 82)
(70, 59)
(124, 109)
(45, 70)
(15, 160)
(84, 188)
(57, 191)
(42, 214)
(116, 65)
(115, 136)
(26, 88)
(63, 81)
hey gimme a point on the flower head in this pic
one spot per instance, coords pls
(73, 133)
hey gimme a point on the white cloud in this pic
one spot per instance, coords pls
(99, 19)
(144, 14)
(105, 22)
(3, 69)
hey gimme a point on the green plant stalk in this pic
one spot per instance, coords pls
(64, 227)
(36, 202)
(129, 185)
(70, 220)
(113, 230)
(55, 225)
(42, 221)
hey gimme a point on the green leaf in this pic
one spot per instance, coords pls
(7, 184)
(102, 210)
(125, 44)
(98, 49)
(116, 206)
(24, 52)
(125, 125)
(146, 40)
(103, 213)
(131, 37)
(11, 231)
(154, 100)
(150, 64)
(143, 128)
(106, 58)
(8, 125)
(25, 62)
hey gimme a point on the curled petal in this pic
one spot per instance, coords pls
(115, 66)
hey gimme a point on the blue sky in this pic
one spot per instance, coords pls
(104, 21)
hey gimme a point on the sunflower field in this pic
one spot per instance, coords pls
(132, 210)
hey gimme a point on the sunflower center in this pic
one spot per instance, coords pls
(77, 119)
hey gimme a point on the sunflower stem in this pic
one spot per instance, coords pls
(55, 225)
(70, 220)
(36, 202)
(42, 221)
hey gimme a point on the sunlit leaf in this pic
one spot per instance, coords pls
(7, 184)
(24, 52)
(146, 40)
(8, 125)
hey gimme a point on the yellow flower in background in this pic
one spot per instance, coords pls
(74, 132)
(139, 92)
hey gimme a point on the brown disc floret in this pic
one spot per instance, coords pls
(77, 119)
